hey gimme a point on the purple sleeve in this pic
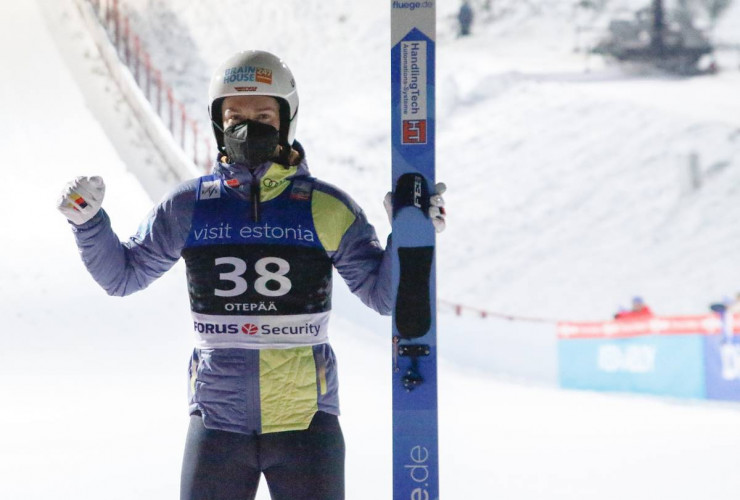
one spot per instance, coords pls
(122, 268)
(365, 265)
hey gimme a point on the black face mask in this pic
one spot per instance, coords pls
(251, 143)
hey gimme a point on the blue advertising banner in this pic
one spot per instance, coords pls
(651, 364)
(686, 356)
(722, 360)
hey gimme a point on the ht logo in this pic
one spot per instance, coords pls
(414, 132)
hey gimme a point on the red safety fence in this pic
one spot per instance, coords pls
(705, 324)
(112, 16)
(463, 310)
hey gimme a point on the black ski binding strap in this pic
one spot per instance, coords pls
(413, 308)
(413, 350)
(412, 378)
(411, 191)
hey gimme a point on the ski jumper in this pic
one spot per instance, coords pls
(259, 250)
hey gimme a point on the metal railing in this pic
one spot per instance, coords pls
(133, 54)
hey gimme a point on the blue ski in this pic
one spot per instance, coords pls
(415, 443)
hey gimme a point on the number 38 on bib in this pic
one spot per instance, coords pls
(223, 279)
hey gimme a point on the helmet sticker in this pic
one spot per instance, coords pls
(248, 74)
(264, 76)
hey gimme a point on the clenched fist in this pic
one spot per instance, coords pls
(81, 199)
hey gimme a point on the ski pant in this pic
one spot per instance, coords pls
(298, 465)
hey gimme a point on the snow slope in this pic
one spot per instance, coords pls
(94, 387)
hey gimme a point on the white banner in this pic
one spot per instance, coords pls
(260, 332)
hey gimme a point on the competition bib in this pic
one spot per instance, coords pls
(256, 284)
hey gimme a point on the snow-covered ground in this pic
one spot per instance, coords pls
(556, 177)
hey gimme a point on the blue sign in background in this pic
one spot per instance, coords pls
(722, 360)
(670, 365)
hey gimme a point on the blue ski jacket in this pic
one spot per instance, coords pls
(259, 249)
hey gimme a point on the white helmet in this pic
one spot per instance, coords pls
(254, 72)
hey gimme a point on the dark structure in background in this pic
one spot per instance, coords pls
(465, 18)
(648, 38)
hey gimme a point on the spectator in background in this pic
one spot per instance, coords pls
(639, 310)
(465, 18)
(726, 311)
(727, 305)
